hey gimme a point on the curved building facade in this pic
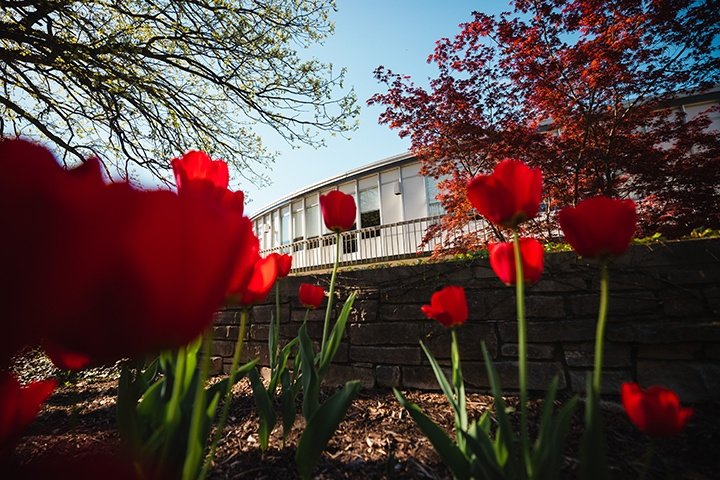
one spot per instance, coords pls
(395, 204)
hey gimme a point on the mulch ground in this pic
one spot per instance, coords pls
(377, 439)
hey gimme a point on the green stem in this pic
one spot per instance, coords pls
(600, 329)
(192, 462)
(307, 312)
(228, 393)
(276, 333)
(461, 421)
(522, 349)
(328, 309)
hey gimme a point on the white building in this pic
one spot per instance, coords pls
(395, 207)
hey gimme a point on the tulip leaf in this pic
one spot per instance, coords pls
(309, 378)
(221, 386)
(321, 426)
(485, 464)
(127, 401)
(264, 406)
(506, 444)
(287, 404)
(441, 442)
(281, 366)
(272, 341)
(593, 459)
(333, 343)
(442, 380)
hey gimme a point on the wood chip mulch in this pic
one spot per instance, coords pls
(377, 439)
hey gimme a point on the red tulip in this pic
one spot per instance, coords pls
(196, 172)
(18, 407)
(502, 260)
(338, 211)
(65, 359)
(599, 226)
(509, 196)
(262, 278)
(655, 411)
(234, 201)
(448, 306)
(284, 263)
(311, 296)
(127, 272)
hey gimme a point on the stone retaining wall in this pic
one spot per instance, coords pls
(663, 323)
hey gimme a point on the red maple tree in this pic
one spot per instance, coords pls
(587, 91)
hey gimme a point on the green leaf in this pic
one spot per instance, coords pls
(321, 426)
(265, 409)
(506, 443)
(593, 459)
(281, 365)
(221, 386)
(309, 378)
(333, 343)
(287, 403)
(443, 444)
(127, 401)
(272, 342)
(484, 465)
(442, 380)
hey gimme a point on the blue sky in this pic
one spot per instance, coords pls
(398, 34)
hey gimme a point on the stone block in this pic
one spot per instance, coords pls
(551, 285)
(254, 350)
(682, 303)
(583, 355)
(387, 376)
(712, 295)
(665, 332)
(534, 351)
(671, 351)
(499, 304)
(313, 316)
(400, 312)
(385, 355)
(438, 340)
(340, 374)
(539, 374)
(386, 333)
(712, 351)
(263, 313)
(692, 381)
(223, 348)
(421, 377)
(228, 316)
(612, 380)
(551, 331)
(216, 365)
(259, 331)
(537, 306)
(364, 312)
(622, 279)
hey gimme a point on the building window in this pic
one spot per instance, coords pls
(285, 226)
(297, 221)
(276, 229)
(435, 208)
(370, 212)
(312, 221)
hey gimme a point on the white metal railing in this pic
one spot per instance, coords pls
(384, 242)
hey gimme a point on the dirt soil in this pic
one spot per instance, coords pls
(377, 439)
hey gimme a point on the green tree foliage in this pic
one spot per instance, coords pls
(139, 81)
